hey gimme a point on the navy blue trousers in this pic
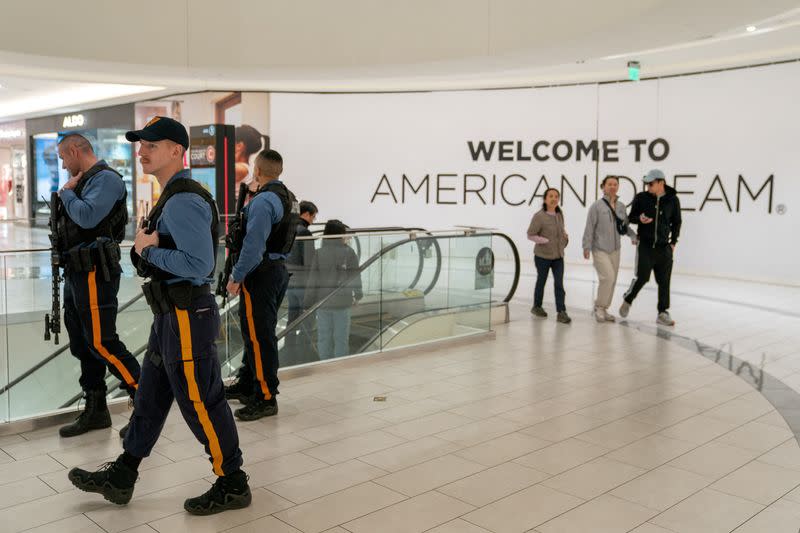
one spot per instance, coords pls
(90, 318)
(182, 364)
(262, 294)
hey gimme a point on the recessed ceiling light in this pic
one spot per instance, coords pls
(751, 29)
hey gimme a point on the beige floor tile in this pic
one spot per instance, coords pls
(667, 413)
(313, 485)
(786, 455)
(593, 478)
(699, 429)
(562, 456)
(605, 514)
(708, 511)
(428, 425)
(618, 434)
(49, 509)
(341, 429)
(281, 425)
(538, 412)
(409, 454)
(340, 507)
(714, 460)
(781, 517)
(146, 508)
(172, 474)
(268, 524)
(352, 447)
(53, 443)
(773, 418)
(429, 475)
(756, 436)
(759, 482)
(186, 449)
(503, 449)
(793, 495)
(280, 468)
(264, 503)
(412, 410)
(523, 510)
(415, 515)
(477, 432)
(650, 528)
(74, 524)
(662, 488)
(27, 468)
(563, 427)
(493, 484)
(742, 409)
(22, 491)
(489, 407)
(458, 526)
(140, 529)
(651, 452)
(271, 447)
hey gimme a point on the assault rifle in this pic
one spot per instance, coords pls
(233, 244)
(52, 321)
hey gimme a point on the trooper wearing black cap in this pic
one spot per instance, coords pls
(260, 275)
(176, 251)
(90, 223)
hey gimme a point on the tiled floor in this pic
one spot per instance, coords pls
(548, 428)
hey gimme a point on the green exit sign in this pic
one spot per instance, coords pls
(633, 70)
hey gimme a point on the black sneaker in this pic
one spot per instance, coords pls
(227, 492)
(257, 408)
(113, 480)
(538, 311)
(563, 317)
(238, 391)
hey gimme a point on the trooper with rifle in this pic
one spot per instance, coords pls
(232, 243)
(87, 223)
(259, 275)
(176, 251)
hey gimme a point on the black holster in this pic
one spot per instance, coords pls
(105, 258)
(163, 297)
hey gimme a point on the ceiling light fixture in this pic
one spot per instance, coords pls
(750, 29)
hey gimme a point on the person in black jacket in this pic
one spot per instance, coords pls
(334, 277)
(299, 263)
(657, 212)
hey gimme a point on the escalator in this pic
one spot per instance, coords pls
(414, 283)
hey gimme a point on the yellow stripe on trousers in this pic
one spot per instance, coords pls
(97, 337)
(194, 393)
(251, 328)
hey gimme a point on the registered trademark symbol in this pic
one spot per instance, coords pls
(780, 209)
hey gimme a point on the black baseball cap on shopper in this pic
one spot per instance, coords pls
(160, 128)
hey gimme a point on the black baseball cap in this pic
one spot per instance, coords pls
(160, 128)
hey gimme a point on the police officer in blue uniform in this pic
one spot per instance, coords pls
(176, 251)
(90, 225)
(261, 279)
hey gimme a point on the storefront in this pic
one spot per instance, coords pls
(13, 171)
(105, 128)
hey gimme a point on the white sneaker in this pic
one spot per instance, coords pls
(664, 319)
(600, 315)
(609, 317)
(624, 309)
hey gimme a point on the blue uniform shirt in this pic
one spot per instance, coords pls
(187, 219)
(264, 211)
(98, 197)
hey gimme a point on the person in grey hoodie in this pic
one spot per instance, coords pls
(334, 276)
(606, 222)
(548, 232)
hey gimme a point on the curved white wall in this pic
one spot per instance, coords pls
(718, 126)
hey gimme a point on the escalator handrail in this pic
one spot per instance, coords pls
(58, 352)
(390, 247)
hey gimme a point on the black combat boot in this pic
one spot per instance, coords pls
(238, 390)
(257, 408)
(95, 415)
(227, 492)
(113, 480)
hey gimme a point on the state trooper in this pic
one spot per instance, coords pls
(261, 278)
(90, 225)
(176, 251)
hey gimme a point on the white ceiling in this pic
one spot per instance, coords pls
(367, 45)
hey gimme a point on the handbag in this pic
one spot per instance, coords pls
(622, 226)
